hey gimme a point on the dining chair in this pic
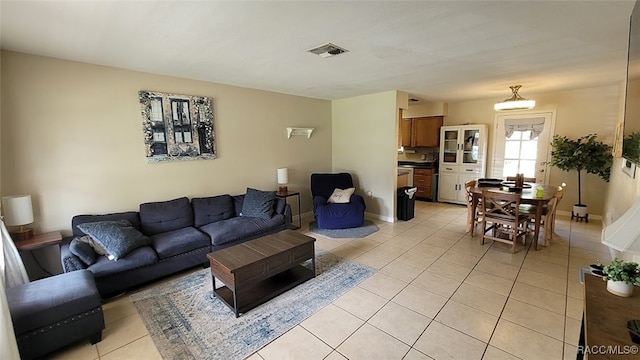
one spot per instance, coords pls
(549, 210)
(501, 211)
(526, 179)
(472, 219)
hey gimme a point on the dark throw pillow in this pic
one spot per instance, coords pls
(258, 204)
(117, 237)
(83, 251)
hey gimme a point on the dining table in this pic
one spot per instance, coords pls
(528, 195)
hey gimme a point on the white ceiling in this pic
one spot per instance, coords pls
(435, 50)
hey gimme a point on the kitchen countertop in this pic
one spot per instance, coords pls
(418, 164)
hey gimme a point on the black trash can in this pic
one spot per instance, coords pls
(406, 202)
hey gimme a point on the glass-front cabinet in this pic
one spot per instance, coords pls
(463, 144)
(449, 153)
(462, 158)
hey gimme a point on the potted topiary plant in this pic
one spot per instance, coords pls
(621, 277)
(586, 154)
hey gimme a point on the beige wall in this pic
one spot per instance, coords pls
(578, 112)
(364, 144)
(623, 192)
(72, 138)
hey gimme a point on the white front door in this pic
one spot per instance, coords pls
(522, 152)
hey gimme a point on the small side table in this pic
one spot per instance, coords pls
(287, 194)
(39, 241)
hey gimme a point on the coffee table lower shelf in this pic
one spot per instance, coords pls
(259, 293)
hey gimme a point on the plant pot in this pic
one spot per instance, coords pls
(580, 210)
(619, 288)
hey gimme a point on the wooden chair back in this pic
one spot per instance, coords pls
(500, 205)
(467, 187)
(501, 209)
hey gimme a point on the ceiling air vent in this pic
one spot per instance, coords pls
(327, 50)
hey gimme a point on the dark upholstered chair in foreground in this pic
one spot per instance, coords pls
(53, 312)
(330, 215)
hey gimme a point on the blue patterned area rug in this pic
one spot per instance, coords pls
(185, 322)
(367, 228)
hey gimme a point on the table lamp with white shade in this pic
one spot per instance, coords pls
(17, 211)
(283, 179)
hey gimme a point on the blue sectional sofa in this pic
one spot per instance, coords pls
(177, 235)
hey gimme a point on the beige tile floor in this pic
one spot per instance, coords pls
(437, 294)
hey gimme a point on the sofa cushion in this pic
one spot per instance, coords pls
(179, 241)
(117, 237)
(52, 299)
(258, 204)
(163, 216)
(131, 216)
(137, 258)
(212, 209)
(279, 205)
(238, 201)
(83, 251)
(240, 227)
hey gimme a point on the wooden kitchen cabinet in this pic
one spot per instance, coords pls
(422, 180)
(422, 131)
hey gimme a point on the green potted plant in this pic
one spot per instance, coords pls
(584, 154)
(621, 276)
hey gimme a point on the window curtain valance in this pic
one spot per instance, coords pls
(535, 125)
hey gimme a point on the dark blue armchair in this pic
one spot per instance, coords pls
(335, 216)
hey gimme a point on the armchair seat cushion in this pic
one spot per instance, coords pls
(340, 216)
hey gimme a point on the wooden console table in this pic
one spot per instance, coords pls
(604, 322)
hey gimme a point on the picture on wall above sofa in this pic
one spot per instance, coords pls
(177, 127)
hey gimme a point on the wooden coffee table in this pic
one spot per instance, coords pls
(261, 269)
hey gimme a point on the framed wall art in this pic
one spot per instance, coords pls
(177, 127)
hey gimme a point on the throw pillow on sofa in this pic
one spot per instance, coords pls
(94, 245)
(83, 251)
(258, 204)
(118, 237)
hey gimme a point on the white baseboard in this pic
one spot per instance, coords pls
(371, 216)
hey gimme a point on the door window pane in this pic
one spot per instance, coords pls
(510, 168)
(529, 150)
(528, 168)
(517, 135)
(512, 149)
(520, 154)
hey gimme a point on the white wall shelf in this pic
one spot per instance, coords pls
(299, 131)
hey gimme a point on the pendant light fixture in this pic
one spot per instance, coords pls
(515, 101)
